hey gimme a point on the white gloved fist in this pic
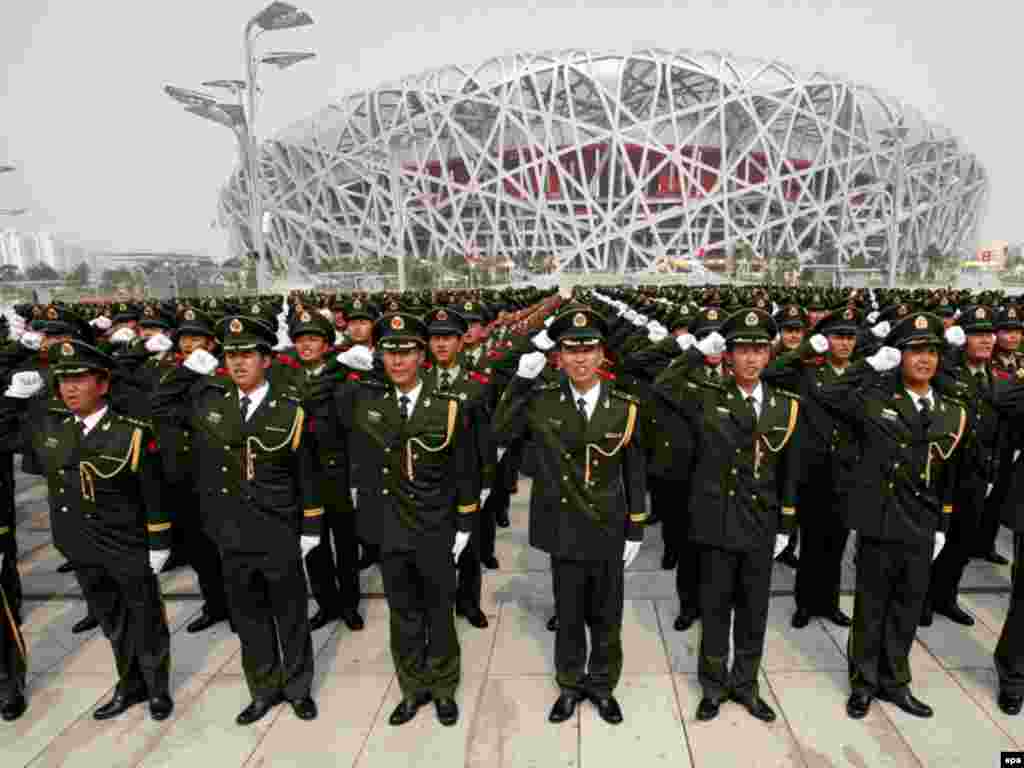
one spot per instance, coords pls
(123, 335)
(484, 494)
(158, 343)
(955, 335)
(656, 332)
(872, 317)
(307, 543)
(102, 322)
(326, 312)
(686, 340)
(358, 357)
(158, 559)
(24, 385)
(542, 341)
(31, 340)
(885, 359)
(712, 344)
(640, 321)
(201, 362)
(549, 321)
(781, 542)
(461, 540)
(881, 330)
(819, 344)
(531, 364)
(629, 553)
(940, 542)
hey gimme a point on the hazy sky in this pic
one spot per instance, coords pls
(104, 156)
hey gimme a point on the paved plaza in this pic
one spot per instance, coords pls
(507, 686)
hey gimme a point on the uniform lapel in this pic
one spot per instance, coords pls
(907, 410)
(596, 426)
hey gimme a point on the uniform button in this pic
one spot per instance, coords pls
(565, 500)
(63, 509)
(387, 450)
(565, 477)
(737, 451)
(385, 492)
(223, 469)
(734, 471)
(223, 490)
(227, 447)
(732, 493)
(922, 476)
(896, 465)
(60, 491)
(666, 443)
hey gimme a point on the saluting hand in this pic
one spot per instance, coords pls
(202, 362)
(819, 344)
(24, 385)
(531, 364)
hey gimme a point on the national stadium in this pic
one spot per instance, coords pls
(592, 161)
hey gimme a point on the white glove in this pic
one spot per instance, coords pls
(656, 331)
(306, 544)
(988, 490)
(940, 542)
(158, 558)
(484, 493)
(955, 335)
(872, 316)
(158, 343)
(31, 340)
(819, 344)
(123, 335)
(881, 330)
(629, 553)
(885, 359)
(640, 321)
(326, 312)
(531, 364)
(201, 362)
(24, 385)
(686, 340)
(102, 322)
(549, 321)
(501, 452)
(712, 344)
(355, 497)
(17, 323)
(359, 357)
(461, 540)
(781, 542)
(542, 341)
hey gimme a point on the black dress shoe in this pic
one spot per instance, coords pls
(707, 709)
(1009, 703)
(758, 707)
(257, 710)
(839, 618)
(955, 613)
(564, 707)
(669, 561)
(66, 567)
(608, 709)
(321, 619)
(160, 707)
(118, 704)
(476, 617)
(304, 708)
(995, 558)
(353, 620)
(857, 705)
(407, 708)
(205, 620)
(86, 624)
(905, 700)
(800, 619)
(553, 623)
(684, 621)
(15, 707)
(490, 562)
(447, 710)
(788, 558)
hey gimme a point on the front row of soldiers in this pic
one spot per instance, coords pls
(906, 448)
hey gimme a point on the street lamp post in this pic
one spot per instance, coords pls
(241, 117)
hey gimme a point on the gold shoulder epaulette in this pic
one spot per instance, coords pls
(447, 395)
(787, 393)
(137, 422)
(549, 386)
(625, 396)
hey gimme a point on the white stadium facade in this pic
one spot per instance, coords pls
(614, 162)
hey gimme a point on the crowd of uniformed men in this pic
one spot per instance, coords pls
(278, 445)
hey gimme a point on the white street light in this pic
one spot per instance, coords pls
(13, 211)
(280, 16)
(285, 59)
(6, 168)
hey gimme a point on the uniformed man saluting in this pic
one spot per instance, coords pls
(415, 469)
(103, 477)
(587, 508)
(258, 502)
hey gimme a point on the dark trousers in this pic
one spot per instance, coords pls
(470, 576)
(12, 644)
(733, 583)
(670, 500)
(199, 550)
(819, 573)
(961, 541)
(892, 584)
(334, 573)
(267, 598)
(588, 595)
(984, 538)
(128, 605)
(420, 589)
(1009, 655)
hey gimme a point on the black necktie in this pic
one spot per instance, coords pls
(926, 413)
(243, 407)
(403, 407)
(582, 405)
(445, 381)
(752, 403)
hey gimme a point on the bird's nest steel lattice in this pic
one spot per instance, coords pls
(603, 161)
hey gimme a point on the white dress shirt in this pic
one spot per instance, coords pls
(413, 395)
(590, 398)
(256, 397)
(92, 420)
(758, 395)
(918, 398)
